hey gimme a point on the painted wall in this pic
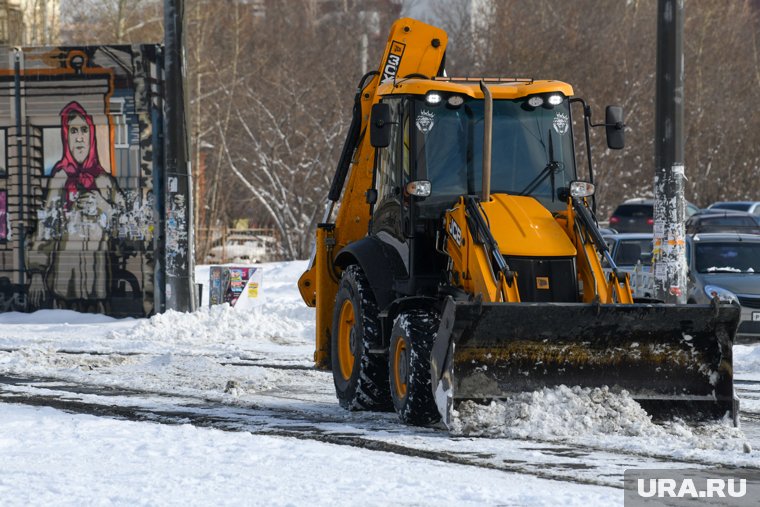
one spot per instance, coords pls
(77, 181)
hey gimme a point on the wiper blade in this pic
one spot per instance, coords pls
(552, 168)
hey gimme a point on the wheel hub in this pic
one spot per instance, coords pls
(346, 339)
(400, 368)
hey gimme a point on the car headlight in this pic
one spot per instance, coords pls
(722, 294)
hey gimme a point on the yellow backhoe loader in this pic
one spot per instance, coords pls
(464, 261)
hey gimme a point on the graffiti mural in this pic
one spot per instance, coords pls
(77, 198)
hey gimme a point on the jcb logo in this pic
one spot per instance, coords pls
(455, 232)
(394, 60)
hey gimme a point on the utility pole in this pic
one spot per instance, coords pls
(179, 255)
(669, 253)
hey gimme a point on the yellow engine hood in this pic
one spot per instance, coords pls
(523, 227)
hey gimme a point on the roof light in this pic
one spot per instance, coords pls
(555, 99)
(456, 100)
(419, 188)
(433, 98)
(535, 101)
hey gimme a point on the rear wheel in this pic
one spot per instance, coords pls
(412, 341)
(361, 378)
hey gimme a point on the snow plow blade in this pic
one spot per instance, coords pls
(675, 360)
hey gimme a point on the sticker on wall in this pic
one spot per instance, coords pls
(425, 121)
(561, 123)
(3, 215)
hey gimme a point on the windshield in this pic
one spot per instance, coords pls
(532, 148)
(728, 258)
(738, 206)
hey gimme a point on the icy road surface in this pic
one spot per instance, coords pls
(224, 407)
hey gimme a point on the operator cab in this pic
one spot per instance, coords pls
(437, 137)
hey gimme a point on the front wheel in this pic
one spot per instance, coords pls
(361, 378)
(411, 344)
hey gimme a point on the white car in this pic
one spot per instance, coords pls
(242, 248)
(632, 253)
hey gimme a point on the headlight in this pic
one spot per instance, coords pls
(722, 294)
(419, 188)
(581, 189)
(555, 99)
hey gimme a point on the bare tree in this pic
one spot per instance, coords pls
(112, 21)
(271, 82)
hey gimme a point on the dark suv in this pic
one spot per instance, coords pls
(748, 206)
(637, 215)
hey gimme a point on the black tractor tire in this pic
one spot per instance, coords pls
(361, 378)
(411, 386)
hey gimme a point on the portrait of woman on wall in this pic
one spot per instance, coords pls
(68, 259)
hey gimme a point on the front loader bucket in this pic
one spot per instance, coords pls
(672, 359)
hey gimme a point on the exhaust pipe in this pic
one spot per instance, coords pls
(487, 141)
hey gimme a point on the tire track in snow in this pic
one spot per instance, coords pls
(597, 465)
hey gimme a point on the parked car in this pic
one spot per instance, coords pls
(722, 220)
(632, 253)
(637, 215)
(727, 266)
(241, 247)
(748, 206)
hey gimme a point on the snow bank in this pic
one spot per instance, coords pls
(562, 412)
(278, 323)
(747, 358)
(57, 317)
(281, 317)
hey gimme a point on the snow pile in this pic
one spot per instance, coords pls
(556, 412)
(576, 413)
(280, 317)
(746, 359)
(224, 324)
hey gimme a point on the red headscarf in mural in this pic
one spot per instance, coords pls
(80, 176)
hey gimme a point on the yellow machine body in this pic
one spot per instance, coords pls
(523, 300)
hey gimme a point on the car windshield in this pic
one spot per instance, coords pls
(729, 257)
(722, 224)
(728, 221)
(532, 149)
(738, 206)
(634, 210)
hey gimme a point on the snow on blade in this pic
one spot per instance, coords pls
(563, 412)
(556, 412)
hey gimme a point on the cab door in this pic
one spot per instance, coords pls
(387, 214)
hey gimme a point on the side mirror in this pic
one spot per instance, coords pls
(380, 120)
(615, 127)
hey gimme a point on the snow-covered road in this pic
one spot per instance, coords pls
(223, 406)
